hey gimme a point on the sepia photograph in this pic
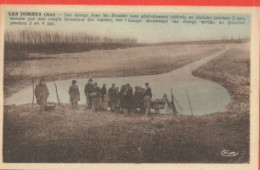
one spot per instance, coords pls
(104, 86)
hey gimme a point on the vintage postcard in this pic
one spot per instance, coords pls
(87, 87)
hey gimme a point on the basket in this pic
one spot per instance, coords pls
(158, 104)
(49, 107)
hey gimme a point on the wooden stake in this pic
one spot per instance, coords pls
(189, 102)
(177, 102)
(33, 92)
(57, 95)
(173, 106)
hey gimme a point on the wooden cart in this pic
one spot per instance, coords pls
(157, 104)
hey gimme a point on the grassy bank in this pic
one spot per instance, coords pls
(232, 70)
(87, 136)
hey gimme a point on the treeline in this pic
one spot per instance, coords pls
(43, 38)
(52, 42)
(222, 41)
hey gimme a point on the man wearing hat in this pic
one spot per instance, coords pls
(122, 98)
(112, 97)
(74, 94)
(41, 93)
(103, 93)
(88, 90)
(147, 99)
(128, 98)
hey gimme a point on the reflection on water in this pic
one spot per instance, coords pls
(205, 96)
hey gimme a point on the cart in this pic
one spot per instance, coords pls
(157, 104)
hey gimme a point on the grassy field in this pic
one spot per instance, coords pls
(87, 136)
(148, 60)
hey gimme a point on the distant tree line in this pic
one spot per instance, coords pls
(43, 38)
(53, 42)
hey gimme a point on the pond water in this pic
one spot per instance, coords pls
(205, 96)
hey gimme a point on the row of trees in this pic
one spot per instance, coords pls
(19, 44)
(43, 38)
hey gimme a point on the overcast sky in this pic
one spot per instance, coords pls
(148, 32)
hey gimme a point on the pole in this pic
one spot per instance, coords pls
(57, 95)
(189, 102)
(177, 103)
(33, 92)
(173, 106)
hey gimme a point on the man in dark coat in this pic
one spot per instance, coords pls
(112, 97)
(128, 98)
(147, 99)
(96, 97)
(138, 99)
(88, 90)
(41, 94)
(118, 99)
(74, 94)
(122, 98)
(103, 93)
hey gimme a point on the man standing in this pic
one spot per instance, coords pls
(96, 97)
(88, 90)
(147, 99)
(103, 93)
(118, 99)
(112, 97)
(41, 93)
(128, 95)
(74, 94)
(122, 98)
(137, 99)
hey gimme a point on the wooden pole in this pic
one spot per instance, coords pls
(177, 103)
(57, 95)
(189, 102)
(173, 106)
(33, 92)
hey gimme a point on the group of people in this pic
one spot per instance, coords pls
(124, 100)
